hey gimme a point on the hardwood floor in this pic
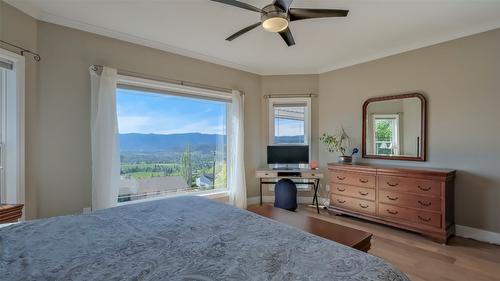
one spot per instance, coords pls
(422, 259)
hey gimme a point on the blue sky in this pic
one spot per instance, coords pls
(287, 127)
(140, 112)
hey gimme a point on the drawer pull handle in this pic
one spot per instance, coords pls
(424, 189)
(392, 198)
(363, 181)
(392, 212)
(363, 206)
(392, 184)
(363, 193)
(341, 201)
(341, 178)
(424, 219)
(340, 189)
(425, 204)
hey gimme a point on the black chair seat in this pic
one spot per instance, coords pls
(285, 195)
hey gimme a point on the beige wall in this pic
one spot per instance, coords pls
(64, 178)
(461, 80)
(21, 29)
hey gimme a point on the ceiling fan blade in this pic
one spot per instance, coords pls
(241, 32)
(284, 4)
(239, 5)
(302, 14)
(287, 36)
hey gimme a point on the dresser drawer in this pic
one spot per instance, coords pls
(353, 191)
(357, 179)
(425, 187)
(353, 204)
(405, 214)
(409, 200)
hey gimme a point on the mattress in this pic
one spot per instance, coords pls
(182, 238)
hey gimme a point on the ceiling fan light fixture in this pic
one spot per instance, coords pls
(274, 19)
(275, 24)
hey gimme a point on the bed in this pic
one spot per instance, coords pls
(182, 238)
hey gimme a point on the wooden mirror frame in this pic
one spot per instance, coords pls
(423, 143)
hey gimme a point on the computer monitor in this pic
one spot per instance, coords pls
(288, 154)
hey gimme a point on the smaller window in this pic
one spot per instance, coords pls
(290, 124)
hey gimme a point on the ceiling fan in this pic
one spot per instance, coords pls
(276, 17)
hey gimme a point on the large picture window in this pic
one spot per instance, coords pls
(170, 144)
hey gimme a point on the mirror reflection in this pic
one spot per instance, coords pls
(394, 127)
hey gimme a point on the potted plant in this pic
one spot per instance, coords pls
(339, 143)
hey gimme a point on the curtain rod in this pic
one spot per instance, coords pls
(310, 95)
(36, 56)
(98, 68)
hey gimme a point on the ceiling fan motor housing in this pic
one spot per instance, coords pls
(274, 19)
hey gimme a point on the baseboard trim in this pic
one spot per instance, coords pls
(478, 234)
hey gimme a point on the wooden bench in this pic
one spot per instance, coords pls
(351, 237)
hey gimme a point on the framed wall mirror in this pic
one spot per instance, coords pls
(394, 127)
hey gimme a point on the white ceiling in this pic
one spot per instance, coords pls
(197, 28)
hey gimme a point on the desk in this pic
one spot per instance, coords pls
(271, 176)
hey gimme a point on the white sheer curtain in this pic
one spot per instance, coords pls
(104, 134)
(236, 179)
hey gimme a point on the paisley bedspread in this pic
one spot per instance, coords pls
(183, 238)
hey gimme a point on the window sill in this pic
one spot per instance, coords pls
(213, 194)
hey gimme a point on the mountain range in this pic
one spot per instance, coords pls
(147, 143)
(170, 142)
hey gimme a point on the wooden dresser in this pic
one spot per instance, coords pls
(420, 200)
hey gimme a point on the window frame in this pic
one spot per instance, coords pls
(307, 119)
(172, 89)
(13, 190)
